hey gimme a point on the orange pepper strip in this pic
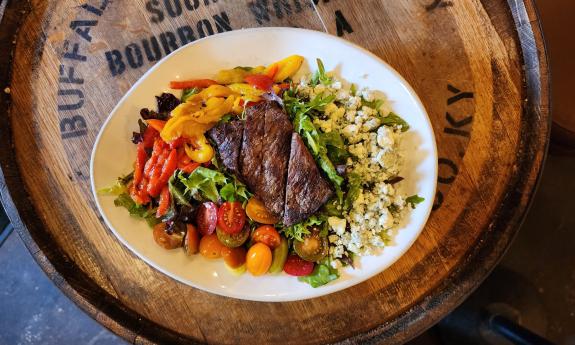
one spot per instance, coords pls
(158, 125)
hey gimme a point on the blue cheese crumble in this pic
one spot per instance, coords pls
(365, 228)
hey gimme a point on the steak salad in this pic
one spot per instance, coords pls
(269, 173)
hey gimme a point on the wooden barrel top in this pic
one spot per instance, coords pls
(479, 67)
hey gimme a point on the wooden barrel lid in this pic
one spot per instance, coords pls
(479, 67)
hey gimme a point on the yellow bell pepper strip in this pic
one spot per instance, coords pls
(201, 152)
(248, 92)
(186, 108)
(237, 75)
(188, 84)
(214, 110)
(286, 68)
(185, 126)
(212, 91)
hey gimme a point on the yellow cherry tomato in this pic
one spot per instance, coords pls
(234, 257)
(258, 259)
(210, 247)
(256, 210)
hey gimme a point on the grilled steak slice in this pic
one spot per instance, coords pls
(228, 139)
(252, 149)
(278, 132)
(306, 189)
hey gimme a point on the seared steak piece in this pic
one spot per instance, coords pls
(228, 139)
(278, 131)
(252, 148)
(306, 189)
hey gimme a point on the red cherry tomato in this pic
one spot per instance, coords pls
(260, 81)
(297, 266)
(268, 235)
(231, 217)
(207, 218)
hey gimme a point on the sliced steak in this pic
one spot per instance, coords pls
(306, 189)
(252, 148)
(277, 140)
(228, 139)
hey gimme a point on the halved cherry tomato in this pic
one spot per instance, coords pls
(164, 203)
(210, 247)
(165, 240)
(158, 125)
(191, 240)
(207, 218)
(188, 84)
(258, 259)
(231, 217)
(259, 81)
(234, 257)
(258, 213)
(268, 235)
(313, 247)
(297, 266)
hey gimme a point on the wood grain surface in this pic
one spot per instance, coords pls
(479, 67)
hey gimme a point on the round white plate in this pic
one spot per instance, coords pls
(113, 153)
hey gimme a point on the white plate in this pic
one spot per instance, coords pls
(114, 154)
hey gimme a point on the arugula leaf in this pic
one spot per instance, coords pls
(336, 149)
(394, 120)
(375, 104)
(322, 274)
(320, 76)
(299, 230)
(203, 181)
(414, 200)
(187, 93)
(138, 211)
(354, 187)
(226, 118)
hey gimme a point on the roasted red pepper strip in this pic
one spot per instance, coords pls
(174, 144)
(140, 162)
(151, 163)
(262, 82)
(164, 203)
(189, 168)
(167, 164)
(187, 84)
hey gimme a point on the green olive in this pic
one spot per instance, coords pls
(313, 247)
(233, 240)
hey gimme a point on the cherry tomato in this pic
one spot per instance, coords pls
(231, 217)
(258, 259)
(297, 266)
(165, 240)
(233, 240)
(210, 247)
(260, 81)
(234, 257)
(191, 240)
(258, 213)
(207, 218)
(268, 235)
(313, 247)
